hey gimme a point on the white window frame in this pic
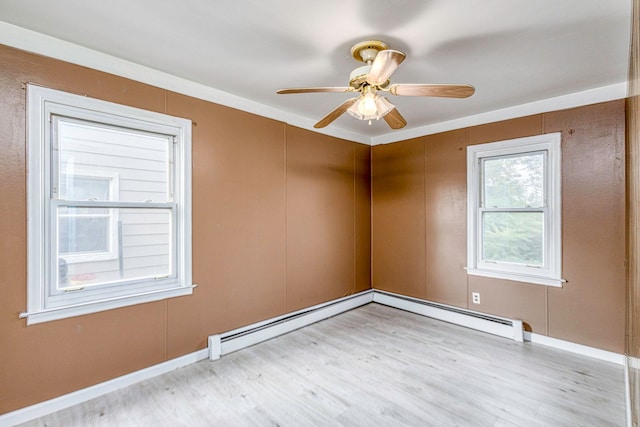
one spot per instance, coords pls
(550, 273)
(112, 253)
(43, 302)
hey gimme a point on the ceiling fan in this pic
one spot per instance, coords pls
(374, 78)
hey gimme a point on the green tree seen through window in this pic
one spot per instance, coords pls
(513, 198)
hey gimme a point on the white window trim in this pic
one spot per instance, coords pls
(551, 273)
(42, 103)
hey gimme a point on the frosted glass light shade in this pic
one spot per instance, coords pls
(364, 112)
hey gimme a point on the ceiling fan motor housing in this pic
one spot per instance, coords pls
(365, 52)
(359, 76)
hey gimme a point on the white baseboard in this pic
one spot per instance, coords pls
(633, 362)
(627, 390)
(65, 401)
(596, 353)
(503, 327)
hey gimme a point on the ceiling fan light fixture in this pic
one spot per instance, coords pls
(370, 106)
(384, 106)
(367, 105)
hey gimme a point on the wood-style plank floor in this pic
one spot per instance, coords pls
(373, 366)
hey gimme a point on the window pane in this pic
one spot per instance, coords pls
(77, 187)
(514, 182)
(138, 161)
(513, 237)
(142, 249)
(83, 231)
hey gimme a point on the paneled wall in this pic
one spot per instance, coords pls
(633, 217)
(419, 225)
(398, 219)
(281, 221)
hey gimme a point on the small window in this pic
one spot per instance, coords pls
(109, 205)
(84, 234)
(514, 212)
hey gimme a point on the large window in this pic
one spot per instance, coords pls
(109, 205)
(514, 210)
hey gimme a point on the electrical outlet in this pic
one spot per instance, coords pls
(475, 297)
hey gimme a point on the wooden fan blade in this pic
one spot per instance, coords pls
(335, 113)
(385, 63)
(444, 91)
(314, 90)
(394, 119)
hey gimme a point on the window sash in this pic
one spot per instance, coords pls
(482, 262)
(482, 195)
(56, 161)
(117, 285)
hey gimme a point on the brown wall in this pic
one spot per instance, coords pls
(398, 218)
(281, 221)
(419, 225)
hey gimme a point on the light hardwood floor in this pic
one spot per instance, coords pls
(373, 366)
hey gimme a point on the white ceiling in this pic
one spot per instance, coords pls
(514, 52)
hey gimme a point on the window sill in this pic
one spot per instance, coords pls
(524, 278)
(47, 315)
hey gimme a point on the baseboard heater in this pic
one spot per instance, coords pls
(253, 334)
(507, 328)
(237, 339)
